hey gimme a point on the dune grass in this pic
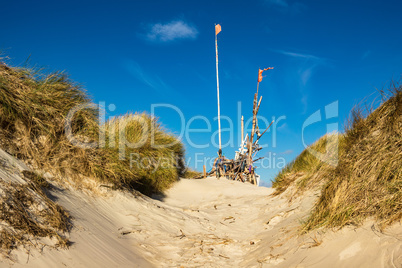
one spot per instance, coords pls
(34, 109)
(27, 213)
(33, 112)
(304, 171)
(155, 157)
(367, 182)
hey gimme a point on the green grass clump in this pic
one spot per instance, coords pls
(33, 113)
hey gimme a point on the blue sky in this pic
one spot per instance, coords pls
(138, 53)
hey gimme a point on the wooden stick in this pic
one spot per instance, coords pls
(258, 84)
(264, 132)
(258, 159)
(259, 104)
(250, 150)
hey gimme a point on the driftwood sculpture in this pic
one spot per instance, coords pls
(242, 167)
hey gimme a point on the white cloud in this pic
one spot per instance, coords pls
(172, 31)
(299, 55)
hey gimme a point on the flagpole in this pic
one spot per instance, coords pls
(217, 87)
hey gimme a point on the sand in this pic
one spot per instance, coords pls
(207, 223)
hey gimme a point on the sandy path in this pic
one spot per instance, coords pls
(209, 223)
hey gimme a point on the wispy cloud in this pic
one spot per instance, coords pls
(282, 127)
(135, 69)
(308, 65)
(306, 72)
(299, 55)
(281, 3)
(305, 66)
(287, 6)
(150, 80)
(171, 31)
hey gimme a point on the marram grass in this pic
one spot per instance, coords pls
(303, 172)
(33, 113)
(27, 213)
(367, 182)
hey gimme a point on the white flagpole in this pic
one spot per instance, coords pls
(217, 86)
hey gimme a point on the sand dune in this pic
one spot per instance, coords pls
(207, 223)
(221, 223)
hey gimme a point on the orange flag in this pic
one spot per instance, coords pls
(218, 29)
(260, 73)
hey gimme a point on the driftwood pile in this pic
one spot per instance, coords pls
(242, 167)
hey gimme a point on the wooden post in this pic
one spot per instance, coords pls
(253, 127)
(205, 172)
(258, 85)
(250, 149)
(217, 89)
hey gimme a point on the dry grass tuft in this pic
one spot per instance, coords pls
(367, 182)
(33, 114)
(304, 171)
(153, 164)
(26, 213)
(33, 110)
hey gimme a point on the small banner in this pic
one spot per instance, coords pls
(260, 73)
(218, 29)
